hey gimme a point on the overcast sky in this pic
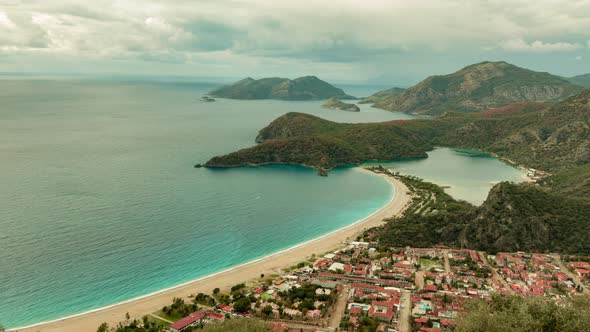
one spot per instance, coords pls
(396, 42)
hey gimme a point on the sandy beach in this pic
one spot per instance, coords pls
(139, 307)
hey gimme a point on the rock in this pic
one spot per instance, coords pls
(334, 103)
(198, 166)
(207, 99)
(322, 172)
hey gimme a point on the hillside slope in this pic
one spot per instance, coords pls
(383, 98)
(583, 80)
(514, 217)
(479, 87)
(302, 88)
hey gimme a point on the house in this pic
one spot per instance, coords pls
(189, 321)
(314, 314)
(336, 267)
(431, 288)
(225, 308)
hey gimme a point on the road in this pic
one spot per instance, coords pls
(161, 318)
(339, 306)
(405, 311)
(419, 280)
(570, 274)
(495, 274)
(447, 264)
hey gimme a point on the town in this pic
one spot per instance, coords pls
(362, 287)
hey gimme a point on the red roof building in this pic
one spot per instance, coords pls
(188, 321)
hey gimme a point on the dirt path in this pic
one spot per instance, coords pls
(405, 311)
(339, 307)
(419, 280)
(447, 264)
(495, 274)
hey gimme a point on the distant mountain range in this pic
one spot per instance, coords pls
(302, 88)
(475, 88)
(583, 80)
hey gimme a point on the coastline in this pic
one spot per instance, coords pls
(273, 263)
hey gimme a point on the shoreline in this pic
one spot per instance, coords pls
(145, 304)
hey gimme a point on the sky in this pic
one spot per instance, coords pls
(389, 42)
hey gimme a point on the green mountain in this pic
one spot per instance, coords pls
(303, 139)
(583, 80)
(479, 87)
(383, 98)
(302, 88)
(334, 103)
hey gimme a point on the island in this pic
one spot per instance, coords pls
(302, 88)
(207, 99)
(334, 103)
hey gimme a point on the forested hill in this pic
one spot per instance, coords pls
(513, 217)
(475, 88)
(302, 88)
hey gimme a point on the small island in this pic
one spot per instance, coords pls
(334, 103)
(207, 99)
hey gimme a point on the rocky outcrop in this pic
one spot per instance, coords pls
(334, 103)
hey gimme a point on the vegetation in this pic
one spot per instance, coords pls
(382, 97)
(178, 309)
(302, 88)
(147, 324)
(304, 139)
(242, 325)
(514, 217)
(514, 313)
(335, 103)
(477, 87)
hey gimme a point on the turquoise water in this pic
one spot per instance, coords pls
(468, 174)
(99, 202)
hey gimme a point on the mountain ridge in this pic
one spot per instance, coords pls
(478, 87)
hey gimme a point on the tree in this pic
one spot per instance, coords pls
(266, 311)
(215, 291)
(104, 327)
(242, 305)
(516, 314)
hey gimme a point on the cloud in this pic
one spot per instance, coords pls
(539, 46)
(345, 34)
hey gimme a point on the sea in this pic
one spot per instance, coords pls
(100, 203)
